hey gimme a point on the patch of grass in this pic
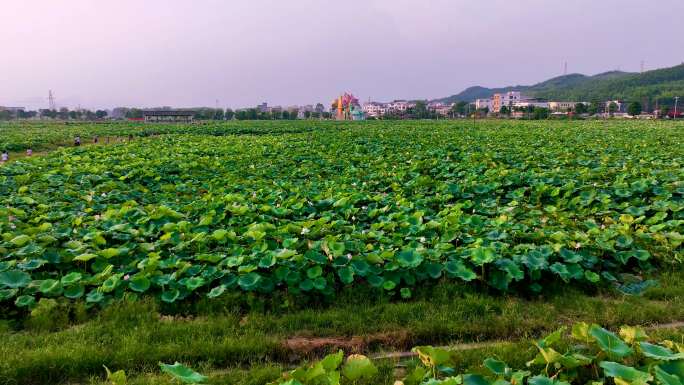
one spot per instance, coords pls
(136, 335)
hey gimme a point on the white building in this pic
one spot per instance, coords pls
(400, 106)
(530, 104)
(481, 104)
(506, 99)
(563, 106)
(375, 109)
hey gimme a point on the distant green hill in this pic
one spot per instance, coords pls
(661, 84)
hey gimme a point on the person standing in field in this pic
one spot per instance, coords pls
(95, 139)
(5, 156)
(29, 152)
(77, 140)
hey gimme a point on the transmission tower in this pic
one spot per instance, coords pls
(643, 64)
(51, 100)
(565, 68)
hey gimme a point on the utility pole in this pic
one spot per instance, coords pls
(676, 102)
(643, 63)
(51, 100)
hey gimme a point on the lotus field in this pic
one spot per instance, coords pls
(313, 208)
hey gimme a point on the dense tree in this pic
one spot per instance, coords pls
(134, 113)
(581, 108)
(612, 108)
(540, 113)
(229, 114)
(420, 111)
(219, 114)
(101, 114)
(504, 111)
(634, 109)
(63, 113)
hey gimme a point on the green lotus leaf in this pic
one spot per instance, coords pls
(495, 366)
(389, 285)
(434, 270)
(375, 280)
(249, 281)
(665, 378)
(182, 373)
(51, 287)
(20, 240)
(71, 278)
(74, 291)
(336, 248)
(609, 342)
(194, 283)
(139, 283)
(625, 373)
(675, 368)
(316, 257)
(95, 297)
(14, 279)
(217, 291)
(110, 284)
(85, 257)
(6, 294)
(482, 255)
(170, 295)
(475, 379)
(332, 361)
(358, 367)
(306, 285)
(459, 270)
(25, 301)
(314, 272)
(540, 380)
(405, 293)
(409, 259)
(320, 283)
(659, 353)
(346, 275)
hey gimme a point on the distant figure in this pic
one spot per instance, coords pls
(77, 141)
(5, 157)
(95, 139)
(29, 152)
(130, 137)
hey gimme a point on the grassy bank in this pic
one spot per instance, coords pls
(136, 336)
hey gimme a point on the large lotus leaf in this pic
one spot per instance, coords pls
(15, 279)
(182, 373)
(116, 378)
(71, 278)
(459, 270)
(346, 274)
(74, 291)
(358, 367)
(495, 366)
(625, 373)
(139, 283)
(659, 353)
(609, 342)
(409, 259)
(20, 240)
(194, 283)
(674, 367)
(217, 291)
(85, 257)
(94, 297)
(170, 295)
(482, 255)
(665, 378)
(540, 380)
(51, 287)
(332, 361)
(25, 301)
(314, 272)
(249, 281)
(475, 379)
(6, 294)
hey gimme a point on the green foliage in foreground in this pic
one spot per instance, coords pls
(386, 205)
(593, 356)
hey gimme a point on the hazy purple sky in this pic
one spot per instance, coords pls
(106, 53)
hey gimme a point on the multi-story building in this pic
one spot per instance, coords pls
(400, 106)
(563, 106)
(481, 104)
(375, 109)
(531, 103)
(506, 99)
(440, 108)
